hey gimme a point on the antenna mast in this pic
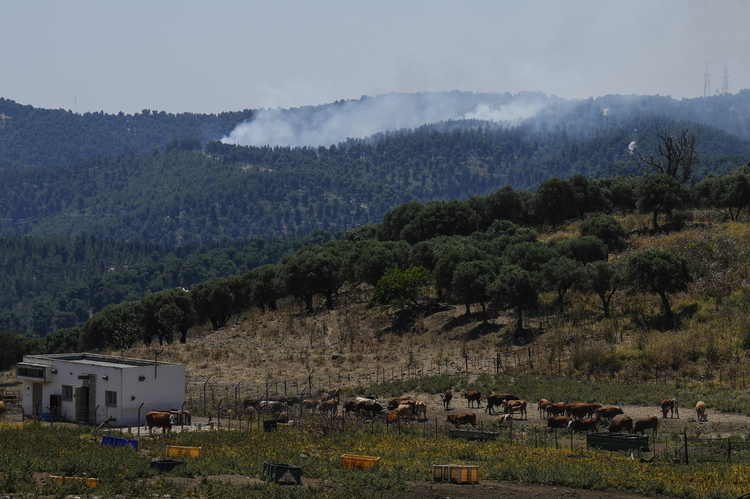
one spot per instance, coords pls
(725, 81)
(706, 83)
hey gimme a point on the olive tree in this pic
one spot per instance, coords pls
(659, 272)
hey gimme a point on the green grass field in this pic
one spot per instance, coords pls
(31, 451)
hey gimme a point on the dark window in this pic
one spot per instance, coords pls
(110, 398)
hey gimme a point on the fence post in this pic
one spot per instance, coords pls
(571, 439)
(204, 395)
(684, 430)
(729, 450)
(218, 414)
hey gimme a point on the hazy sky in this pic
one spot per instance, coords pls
(209, 57)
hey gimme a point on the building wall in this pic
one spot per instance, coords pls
(165, 392)
(170, 380)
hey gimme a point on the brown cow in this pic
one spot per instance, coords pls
(588, 424)
(329, 406)
(608, 412)
(368, 407)
(651, 423)
(497, 399)
(669, 405)
(462, 418)
(249, 411)
(512, 406)
(250, 402)
(581, 410)
(556, 409)
(577, 411)
(397, 401)
(2, 409)
(159, 419)
(558, 422)
(543, 406)
(293, 399)
(700, 411)
(420, 410)
(473, 396)
(592, 410)
(447, 396)
(505, 421)
(310, 404)
(621, 424)
(334, 393)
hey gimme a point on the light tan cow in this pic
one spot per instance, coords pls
(700, 411)
(420, 410)
(405, 411)
(513, 406)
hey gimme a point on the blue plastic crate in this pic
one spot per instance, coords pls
(119, 442)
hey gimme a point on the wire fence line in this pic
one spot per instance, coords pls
(206, 396)
(568, 360)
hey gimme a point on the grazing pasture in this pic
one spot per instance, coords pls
(231, 464)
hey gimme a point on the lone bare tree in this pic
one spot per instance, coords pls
(675, 155)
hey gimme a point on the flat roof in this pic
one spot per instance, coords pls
(95, 359)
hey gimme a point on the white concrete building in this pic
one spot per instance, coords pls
(89, 388)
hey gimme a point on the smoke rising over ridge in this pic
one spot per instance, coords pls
(334, 123)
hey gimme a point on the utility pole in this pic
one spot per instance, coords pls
(156, 359)
(725, 81)
(706, 83)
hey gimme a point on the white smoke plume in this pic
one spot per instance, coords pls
(334, 123)
(631, 147)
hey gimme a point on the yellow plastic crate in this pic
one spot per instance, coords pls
(91, 482)
(455, 473)
(359, 462)
(176, 451)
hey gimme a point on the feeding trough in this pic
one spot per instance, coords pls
(166, 465)
(284, 474)
(455, 473)
(359, 462)
(617, 441)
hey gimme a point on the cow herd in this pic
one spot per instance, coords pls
(586, 417)
(579, 417)
(329, 403)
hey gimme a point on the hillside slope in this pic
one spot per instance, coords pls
(356, 346)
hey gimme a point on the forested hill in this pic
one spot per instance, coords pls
(56, 282)
(32, 136)
(147, 200)
(224, 192)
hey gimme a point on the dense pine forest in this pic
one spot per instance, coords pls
(100, 234)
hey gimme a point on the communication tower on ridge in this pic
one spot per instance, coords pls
(706, 83)
(725, 81)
